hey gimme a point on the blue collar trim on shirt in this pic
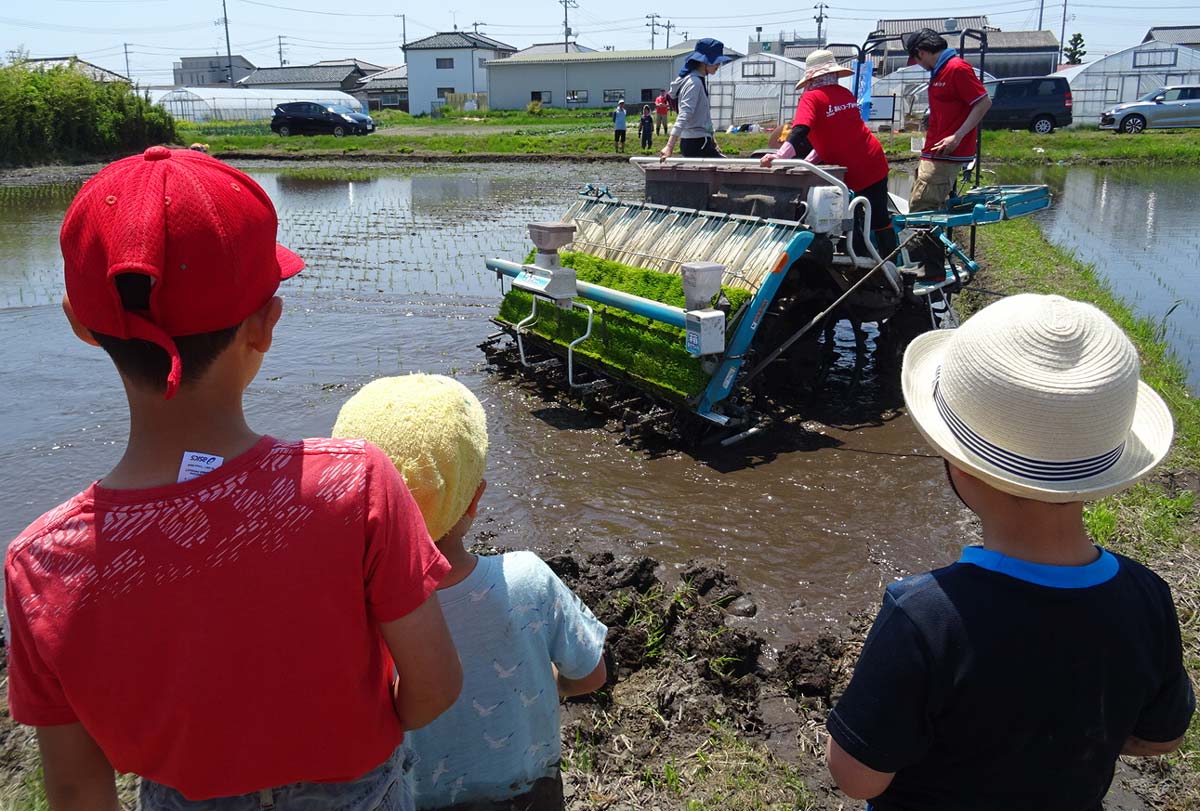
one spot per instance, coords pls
(1098, 571)
(946, 56)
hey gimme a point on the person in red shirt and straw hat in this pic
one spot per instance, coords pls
(828, 122)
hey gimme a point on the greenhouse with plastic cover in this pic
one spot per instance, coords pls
(243, 104)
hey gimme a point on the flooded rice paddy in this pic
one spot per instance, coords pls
(813, 520)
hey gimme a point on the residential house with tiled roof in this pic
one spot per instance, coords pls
(343, 77)
(1185, 35)
(83, 68)
(449, 62)
(892, 54)
(386, 89)
(364, 66)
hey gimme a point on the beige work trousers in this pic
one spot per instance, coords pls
(935, 179)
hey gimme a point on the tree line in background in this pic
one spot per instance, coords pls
(60, 114)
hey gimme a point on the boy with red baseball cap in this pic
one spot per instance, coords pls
(223, 613)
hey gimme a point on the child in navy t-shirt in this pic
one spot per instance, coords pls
(646, 128)
(1016, 676)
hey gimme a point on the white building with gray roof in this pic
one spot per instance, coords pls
(581, 80)
(450, 62)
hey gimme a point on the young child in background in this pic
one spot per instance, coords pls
(1016, 676)
(646, 128)
(222, 612)
(525, 639)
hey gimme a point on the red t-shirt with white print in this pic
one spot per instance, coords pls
(838, 134)
(220, 635)
(953, 91)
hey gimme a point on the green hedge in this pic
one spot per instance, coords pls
(649, 351)
(59, 114)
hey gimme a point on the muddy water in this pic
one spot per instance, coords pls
(814, 520)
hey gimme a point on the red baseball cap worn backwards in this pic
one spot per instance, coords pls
(203, 232)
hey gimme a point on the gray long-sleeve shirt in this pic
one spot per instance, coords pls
(695, 116)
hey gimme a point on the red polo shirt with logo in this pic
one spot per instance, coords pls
(220, 636)
(838, 133)
(953, 91)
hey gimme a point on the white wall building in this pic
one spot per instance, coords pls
(1128, 75)
(578, 80)
(449, 62)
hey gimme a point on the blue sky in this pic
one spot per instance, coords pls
(159, 31)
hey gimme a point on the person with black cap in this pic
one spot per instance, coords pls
(957, 103)
(693, 130)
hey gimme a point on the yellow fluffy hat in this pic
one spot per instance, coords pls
(435, 432)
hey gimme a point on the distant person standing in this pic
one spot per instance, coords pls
(693, 130)
(646, 128)
(618, 116)
(662, 112)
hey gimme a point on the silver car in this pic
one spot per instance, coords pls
(1170, 106)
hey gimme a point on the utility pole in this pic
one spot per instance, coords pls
(653, 26)
(403, 36)
(1063, 35)
(1041, 11)
(567, 6)
(281, 62)
(668, 25)
(127, 74)
(820, 18)
(475, 27)
(228, 49)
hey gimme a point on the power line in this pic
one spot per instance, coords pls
(311, 11)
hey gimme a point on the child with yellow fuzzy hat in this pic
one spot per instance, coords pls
(524, 638)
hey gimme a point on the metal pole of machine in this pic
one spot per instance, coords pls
(228, 49)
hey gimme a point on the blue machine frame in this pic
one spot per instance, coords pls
(979, 206)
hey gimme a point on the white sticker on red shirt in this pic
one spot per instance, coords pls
(196, 464)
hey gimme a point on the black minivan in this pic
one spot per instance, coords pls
(310, 118)
(1038, 103)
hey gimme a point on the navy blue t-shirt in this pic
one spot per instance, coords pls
(998, 684)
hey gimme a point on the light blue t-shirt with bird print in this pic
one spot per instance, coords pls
(510, 619)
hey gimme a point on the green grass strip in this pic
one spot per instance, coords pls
(649, 351)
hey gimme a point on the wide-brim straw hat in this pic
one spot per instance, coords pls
(820, 63)
(1040, 397)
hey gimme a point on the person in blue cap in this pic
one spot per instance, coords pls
(693, 130)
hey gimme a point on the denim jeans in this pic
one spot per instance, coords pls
(387, 787)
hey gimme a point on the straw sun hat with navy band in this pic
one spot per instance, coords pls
(1040, 397)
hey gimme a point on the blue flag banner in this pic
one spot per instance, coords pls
(863, 69)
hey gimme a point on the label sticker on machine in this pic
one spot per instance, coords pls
(528, 280)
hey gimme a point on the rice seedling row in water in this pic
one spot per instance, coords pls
(648, 350)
